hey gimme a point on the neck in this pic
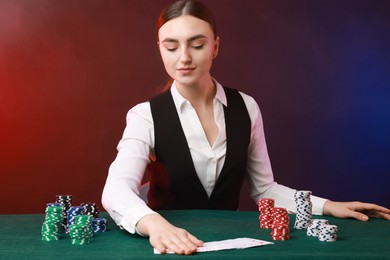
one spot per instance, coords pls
(201, 93)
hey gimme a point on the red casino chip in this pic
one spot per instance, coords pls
(265, 206)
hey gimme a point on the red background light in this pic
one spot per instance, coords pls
(70, 70)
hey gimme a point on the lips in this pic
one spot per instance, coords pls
(186, 69)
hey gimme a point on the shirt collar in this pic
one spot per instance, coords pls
(180, 101)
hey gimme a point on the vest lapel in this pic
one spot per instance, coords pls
(172, 149)
(179, 186)
(237, 124)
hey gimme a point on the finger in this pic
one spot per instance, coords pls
(176, 248)
(159, 247)
(375, 214)
(371, 207)
(188, 238)
(386, 216)
(350, 212)
(178, 243)
(189, 248)
(182, 248)
(195, 240)
(372, 210)
(358, 215)
(184, 243)
(163, 245)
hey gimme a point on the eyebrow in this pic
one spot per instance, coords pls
(193, 38)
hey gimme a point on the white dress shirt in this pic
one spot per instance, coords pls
(135, 150)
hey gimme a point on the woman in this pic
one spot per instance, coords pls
(204, 140)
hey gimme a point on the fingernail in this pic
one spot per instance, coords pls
(364, 217)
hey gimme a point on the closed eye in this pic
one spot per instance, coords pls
(198, 47)
(171, 49)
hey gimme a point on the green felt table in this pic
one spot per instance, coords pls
(20, 238)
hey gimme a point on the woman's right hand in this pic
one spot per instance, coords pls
(164, 236)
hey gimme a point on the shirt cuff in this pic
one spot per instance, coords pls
(133, 215)
(318, 205)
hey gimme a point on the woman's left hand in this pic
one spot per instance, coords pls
(359, 210)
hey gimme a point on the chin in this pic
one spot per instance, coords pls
(186, 80)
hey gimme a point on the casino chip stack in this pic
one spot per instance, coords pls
(328, 233)
(73, 212)
(80, 222)
(265, 207)
(314, 228)
(99, 225)
(80, 231)
(304, 209)
(66, 201)
(280, 225)
(91, 209)
(51, 227)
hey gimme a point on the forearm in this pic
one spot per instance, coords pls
(120, 195)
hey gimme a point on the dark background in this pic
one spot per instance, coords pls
(70, 70)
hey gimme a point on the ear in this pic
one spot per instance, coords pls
(216, 47)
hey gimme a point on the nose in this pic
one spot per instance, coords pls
(185, 56)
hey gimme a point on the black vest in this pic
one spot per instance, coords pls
(174, 183)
